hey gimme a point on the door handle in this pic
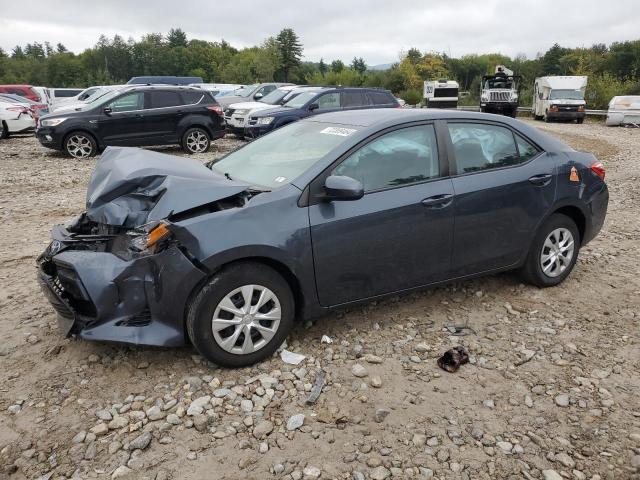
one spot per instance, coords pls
(438, 201)
(541, 180)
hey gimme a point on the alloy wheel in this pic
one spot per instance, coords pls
(557, 252)
(246, 319)
(79, 146)
(197, 142)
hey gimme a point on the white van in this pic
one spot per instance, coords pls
(560, 97)
(624, 110)
(61, 95)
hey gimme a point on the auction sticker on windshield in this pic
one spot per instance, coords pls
(343, 132)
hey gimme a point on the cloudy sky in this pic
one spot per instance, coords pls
(374, 29)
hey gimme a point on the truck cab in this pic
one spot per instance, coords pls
(499, 92)
(559, 98)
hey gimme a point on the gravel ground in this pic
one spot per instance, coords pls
(551, 392)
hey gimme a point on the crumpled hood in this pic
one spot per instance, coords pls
(131, 187)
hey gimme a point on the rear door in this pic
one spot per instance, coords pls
(504, 186)
(399, 235)
(164, 110)
(355, 100)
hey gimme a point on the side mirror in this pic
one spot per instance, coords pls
(338, 187)
(258, 96)
(313, 106)
(107, 110)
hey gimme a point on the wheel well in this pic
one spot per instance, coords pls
(577, 216)
(80, 130)
(197, 125)
(279, 267)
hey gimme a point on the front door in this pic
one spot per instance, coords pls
(504, 186)
(124, 123)
(398, 236)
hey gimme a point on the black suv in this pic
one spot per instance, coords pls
(321, 100)
(136, 116)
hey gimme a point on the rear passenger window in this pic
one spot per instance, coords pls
(190, 98)
(400, 157)
(354, 99)
(380, 98)
(482, 147)
(525, 149)
(162, 99)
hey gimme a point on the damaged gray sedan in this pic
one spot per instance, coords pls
(335, 209)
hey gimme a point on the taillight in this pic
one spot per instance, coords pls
(216, 108)
(598, 169)
(581, 108)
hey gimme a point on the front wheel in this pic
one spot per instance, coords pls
(80, 145)
(4, 131)
(242, 315)
(195, 140)
(553, 252)
(580, 120)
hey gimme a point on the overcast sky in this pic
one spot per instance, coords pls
(376, 30)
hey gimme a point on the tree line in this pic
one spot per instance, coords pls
(612, 69)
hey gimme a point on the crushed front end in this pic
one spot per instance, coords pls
(113, 283)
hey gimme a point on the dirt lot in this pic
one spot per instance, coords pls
(552, 390)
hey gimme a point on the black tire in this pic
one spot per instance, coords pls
(580, 121)
(202, 308)
(195, 140)
(4, 130)
(532, 270)
(79, 144)
(546, 118)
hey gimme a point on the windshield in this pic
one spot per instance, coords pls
(274, 97)
(300, 100)
(246, 91)
(566, 95)
(278, 158)
(99, 100)
(499, 83)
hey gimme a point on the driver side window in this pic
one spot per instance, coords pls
(329, 101)
(127, 103)
(401, 157)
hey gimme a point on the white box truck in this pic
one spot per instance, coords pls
(441, 94)
(559, 98)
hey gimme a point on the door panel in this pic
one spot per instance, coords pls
(498, 209)
(163, 114)
(399, 235)
(125, 124)
(384, 242)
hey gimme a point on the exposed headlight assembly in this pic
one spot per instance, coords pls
(150, 241)
(51, 122)
(265, 120)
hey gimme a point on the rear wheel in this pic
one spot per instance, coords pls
(4, 131)
(242, 315)
(580, 120)
(80, 145)
(553, 252)
(196, 140)
(546, 117)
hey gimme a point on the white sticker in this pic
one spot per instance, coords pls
(279, 179)
(343, 132)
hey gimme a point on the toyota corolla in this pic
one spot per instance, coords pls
(339, 208)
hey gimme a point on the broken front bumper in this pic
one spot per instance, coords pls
(100, 296)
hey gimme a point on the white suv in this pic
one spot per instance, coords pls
(237, 114)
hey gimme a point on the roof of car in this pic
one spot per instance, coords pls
(373, 116)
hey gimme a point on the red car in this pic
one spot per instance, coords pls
(23, 90)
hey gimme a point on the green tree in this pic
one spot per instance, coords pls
(176, 38)
(359, 65)
(322, 67)
(289, 49)
(337, 66)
